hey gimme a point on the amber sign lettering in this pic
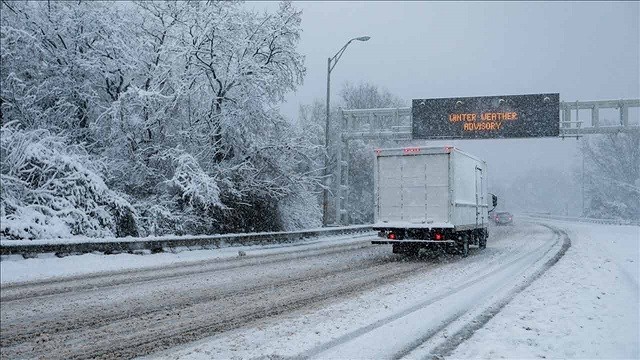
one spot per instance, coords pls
(505, 116)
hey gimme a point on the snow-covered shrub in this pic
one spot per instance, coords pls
(52, 189)
(192, 186)
(299, 211)
(156, 217)
(184, 202)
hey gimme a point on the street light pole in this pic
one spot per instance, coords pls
(582, 191)
(331, 63)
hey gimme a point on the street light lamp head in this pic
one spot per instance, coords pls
(363, 38)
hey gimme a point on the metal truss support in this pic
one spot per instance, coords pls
(579, 127)
(342, 175)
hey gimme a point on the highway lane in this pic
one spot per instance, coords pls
(135, 313)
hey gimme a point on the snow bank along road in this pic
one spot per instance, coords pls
(243, 306)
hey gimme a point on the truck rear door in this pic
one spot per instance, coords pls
(413, 189)
(389, 189)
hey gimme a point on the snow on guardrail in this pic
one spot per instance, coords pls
(581, 219)
(61, 247)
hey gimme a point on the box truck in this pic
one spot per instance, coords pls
(430, 196)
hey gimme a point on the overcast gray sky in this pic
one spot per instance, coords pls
(583, 50)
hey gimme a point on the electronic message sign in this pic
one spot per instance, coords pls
(487, 117)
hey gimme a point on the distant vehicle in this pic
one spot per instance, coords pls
(430, 196)
(502, 218)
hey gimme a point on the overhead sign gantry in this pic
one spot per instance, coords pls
(487, 117)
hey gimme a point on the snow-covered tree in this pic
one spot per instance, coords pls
(312, 119)
(50, 56)
(612, 175)
(368, 96)
(241, 64)
(173, 102)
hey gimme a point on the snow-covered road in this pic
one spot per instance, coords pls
(338, 298)
(409, 318)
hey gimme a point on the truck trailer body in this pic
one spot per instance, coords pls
(430, 196)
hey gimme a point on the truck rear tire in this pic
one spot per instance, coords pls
(399, 248)
(464, 248)
(395, 248)
(483, 240)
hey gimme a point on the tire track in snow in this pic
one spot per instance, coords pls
(347, 341)
(14, 332)
(141, 335)
(454, 340)
(41, 322)
(35, 289)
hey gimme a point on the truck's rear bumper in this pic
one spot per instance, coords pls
(411, 241)
(411, 226)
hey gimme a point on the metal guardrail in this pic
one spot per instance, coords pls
(63, 247)
(581, 219)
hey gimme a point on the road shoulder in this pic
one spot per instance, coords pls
(586, 306)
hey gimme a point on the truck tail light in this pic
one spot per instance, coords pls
(438, 236)
(391, 236)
